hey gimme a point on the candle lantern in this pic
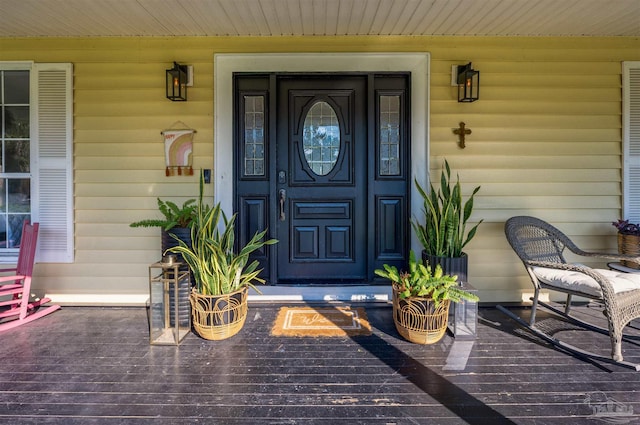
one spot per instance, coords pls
(177, 82)
(463, 316)
(169, 316)
(468, 84)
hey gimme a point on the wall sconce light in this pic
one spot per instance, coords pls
(468, 82)
(177, 82)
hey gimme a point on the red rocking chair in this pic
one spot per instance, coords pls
(15, 289)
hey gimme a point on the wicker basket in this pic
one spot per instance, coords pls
(418, 320)
(217, 317)
(629, 245)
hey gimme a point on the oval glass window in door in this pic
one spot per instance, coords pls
(321, 138)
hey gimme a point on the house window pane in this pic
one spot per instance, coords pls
(254, 133)
(389, 135)
(16, 121)
(14, 234)
(17, 156)
(19, 196)
(321, 138)
(16, 87)
(15, 207)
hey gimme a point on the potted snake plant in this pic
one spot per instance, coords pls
(443, 234)
(221, 272)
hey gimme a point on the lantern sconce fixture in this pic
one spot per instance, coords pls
(178, 79)
(468, 81)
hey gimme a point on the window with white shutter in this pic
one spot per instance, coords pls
(36, 159)
(631, 140)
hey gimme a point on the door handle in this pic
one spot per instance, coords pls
(282, 195)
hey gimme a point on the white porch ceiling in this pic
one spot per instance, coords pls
(114, 18)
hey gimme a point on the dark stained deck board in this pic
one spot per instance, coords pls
(95, 366)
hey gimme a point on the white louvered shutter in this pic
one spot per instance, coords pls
(53, 206)
(631, 134)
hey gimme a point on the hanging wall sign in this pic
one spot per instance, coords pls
(178, 151)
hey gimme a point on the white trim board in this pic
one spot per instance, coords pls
(364, 293)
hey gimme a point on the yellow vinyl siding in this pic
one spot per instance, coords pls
(546, 140)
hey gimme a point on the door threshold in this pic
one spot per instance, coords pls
(363, 293)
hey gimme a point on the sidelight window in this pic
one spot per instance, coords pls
(389, 135)
(254, 136)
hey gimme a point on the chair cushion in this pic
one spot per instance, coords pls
(579, 282)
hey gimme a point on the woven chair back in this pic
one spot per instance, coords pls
(535, 240)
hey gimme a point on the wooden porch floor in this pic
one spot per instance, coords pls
(95, 366)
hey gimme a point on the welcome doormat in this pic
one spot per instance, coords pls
(321, 322)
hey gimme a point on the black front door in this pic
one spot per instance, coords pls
(322, 161)
(321, 164)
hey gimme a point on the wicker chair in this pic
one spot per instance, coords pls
(540, 246)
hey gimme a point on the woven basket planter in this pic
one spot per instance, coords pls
(629, 245)
(217, 317)
(419, 320)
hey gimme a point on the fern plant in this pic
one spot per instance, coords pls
(174, 215)
(422, 281)
(444, 233)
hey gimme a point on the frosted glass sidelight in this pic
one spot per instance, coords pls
(389, 135)
(254, 142)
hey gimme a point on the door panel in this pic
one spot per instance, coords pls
(254, 213)
(321, 240)
(390, 218)
(329, 216)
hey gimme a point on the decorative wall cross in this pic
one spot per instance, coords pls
(461, 132)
